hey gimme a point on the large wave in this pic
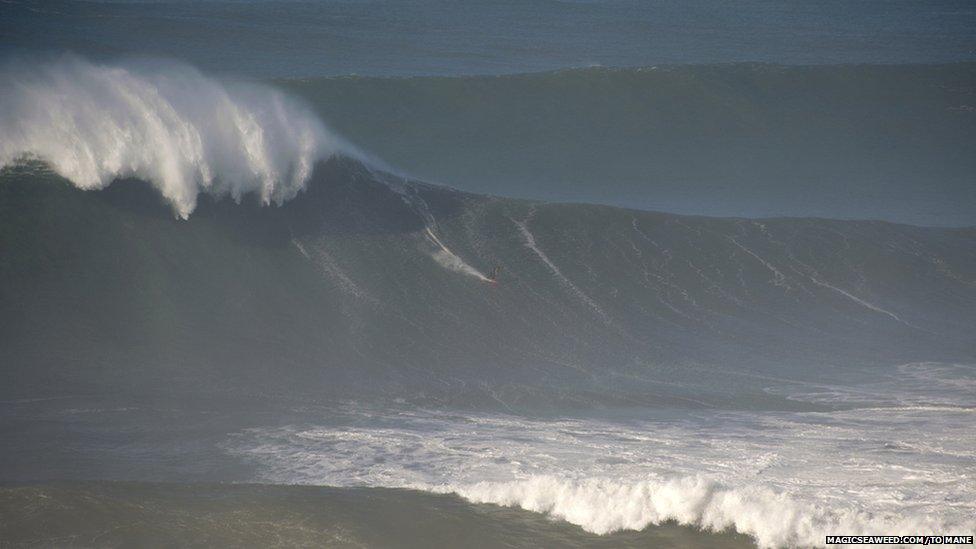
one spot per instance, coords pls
(739, 140)
(164, 122)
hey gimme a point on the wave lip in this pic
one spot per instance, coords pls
(164, 122)
(771, 518)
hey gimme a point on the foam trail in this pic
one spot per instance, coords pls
(531, 244)
(449, 260)
(167, 123)
(864, 303)
(441, 253)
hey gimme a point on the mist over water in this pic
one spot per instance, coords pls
(629, 370)
(162, 122)
(223, 324)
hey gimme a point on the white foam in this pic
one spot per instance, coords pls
(783, 478)
(451, 261)
(167, 123)
(771, 517)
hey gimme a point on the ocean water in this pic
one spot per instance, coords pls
(249, 299)
(742, 140)
(126, 514)
(296, 39)
(882, 456)
(782, 479)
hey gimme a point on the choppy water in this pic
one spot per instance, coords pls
(894, 455)
(213, 290)
(782, 478)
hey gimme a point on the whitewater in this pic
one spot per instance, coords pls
(163, 122)
(904, 463)
(785, 480)
(375, 294)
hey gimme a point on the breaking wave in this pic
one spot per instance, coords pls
(772, 518)
(164, 122)
(784, 479)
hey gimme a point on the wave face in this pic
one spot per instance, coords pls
(727, 140)
(166, 123)
(373, 285)
(785, 377)
(748, 140)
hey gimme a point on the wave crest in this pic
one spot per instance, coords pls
(167, 123)
(772, 518)
(782, 479)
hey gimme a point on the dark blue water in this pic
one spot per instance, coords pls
(384, 37)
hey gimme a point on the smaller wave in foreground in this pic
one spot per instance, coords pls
(771, 517)
(784, 479)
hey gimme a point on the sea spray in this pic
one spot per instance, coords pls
(784, 479)
(164, 122)
(772, 518)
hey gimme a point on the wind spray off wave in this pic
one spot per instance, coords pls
(167, 123)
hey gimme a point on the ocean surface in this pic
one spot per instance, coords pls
(859, 110)
(582, 274)
(297, 38)
(890, 142)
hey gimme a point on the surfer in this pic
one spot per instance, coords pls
(493, 274)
